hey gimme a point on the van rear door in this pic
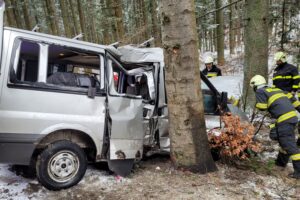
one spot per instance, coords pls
(2, 8)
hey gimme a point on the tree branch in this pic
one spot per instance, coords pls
(221, 8)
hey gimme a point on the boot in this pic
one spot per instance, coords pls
(298, 141)
(282, 159)
(296, 174)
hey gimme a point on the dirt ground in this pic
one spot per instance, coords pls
(155, 178)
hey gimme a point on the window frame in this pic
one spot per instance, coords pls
(41, 83)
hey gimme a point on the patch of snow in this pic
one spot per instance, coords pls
(11, 185)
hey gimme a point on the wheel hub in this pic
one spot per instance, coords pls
(63, 166)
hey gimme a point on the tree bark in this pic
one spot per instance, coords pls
(91, 23)
(119, 18)
(231, 31)
(16, 14)
(76, 28)
(82, 20)
(28, 21)
(65, 16)
(10, 15)
(53, 17)
(156, 31)
(189, 143)
(220, 33)
(256, 45)
(282, 41)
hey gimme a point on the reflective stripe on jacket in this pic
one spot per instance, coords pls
(286, 77)
(277, 103)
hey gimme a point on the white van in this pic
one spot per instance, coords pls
(64, 103)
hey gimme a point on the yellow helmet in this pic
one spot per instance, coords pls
(257, 80)
(208, 60)
(280, 56)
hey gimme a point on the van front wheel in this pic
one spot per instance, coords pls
(61, 165)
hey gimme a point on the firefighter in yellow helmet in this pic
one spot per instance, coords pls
(276, 102)
(286, 77)
(211, 70)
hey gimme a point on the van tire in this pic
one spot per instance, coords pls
(61, 165)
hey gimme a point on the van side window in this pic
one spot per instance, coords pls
(72, 67)
(28, 63)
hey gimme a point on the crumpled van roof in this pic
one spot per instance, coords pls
(131, 54)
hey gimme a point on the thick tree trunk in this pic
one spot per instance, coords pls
(189, 143)
(220, 33)
(256, 45)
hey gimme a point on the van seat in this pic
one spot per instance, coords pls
(71, 79)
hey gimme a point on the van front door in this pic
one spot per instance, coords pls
(125, 120)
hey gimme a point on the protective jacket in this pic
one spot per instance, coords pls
(214, 71)
(281, 107)
(277, 103)
(286, 77)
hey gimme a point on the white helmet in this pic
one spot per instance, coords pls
(257, 80)
(280, 56)
(208, 60)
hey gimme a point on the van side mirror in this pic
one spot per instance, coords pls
(91, 92)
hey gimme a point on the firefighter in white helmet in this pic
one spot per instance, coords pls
(281, 108)
(211, 70)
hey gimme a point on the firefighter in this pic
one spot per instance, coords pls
(211, 70)
(280, 107)
(286, 77)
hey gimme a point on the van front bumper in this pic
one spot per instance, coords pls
(17, 148)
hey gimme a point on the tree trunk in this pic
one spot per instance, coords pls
(28, 21)
(82, 20)
(104, 23)
(10, 15)
(91, 23)
(220, 33)
(256, 45)
(231, 31)
(50, 4)
(189, 143)
(156, 31)
(65, 16)
(119, 19)
(76, 28)
(282, 41)
(16, 14)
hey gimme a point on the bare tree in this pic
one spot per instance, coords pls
(220, 32)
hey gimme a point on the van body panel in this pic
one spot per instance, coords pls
(2, 8)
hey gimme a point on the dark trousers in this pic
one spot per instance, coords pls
(287, 142)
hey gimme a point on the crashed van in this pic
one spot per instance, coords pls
(65, 103)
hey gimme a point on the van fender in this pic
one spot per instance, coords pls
(76, 127)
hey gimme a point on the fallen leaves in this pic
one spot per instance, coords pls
(236, 138)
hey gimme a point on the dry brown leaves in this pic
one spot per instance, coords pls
(235, 139)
